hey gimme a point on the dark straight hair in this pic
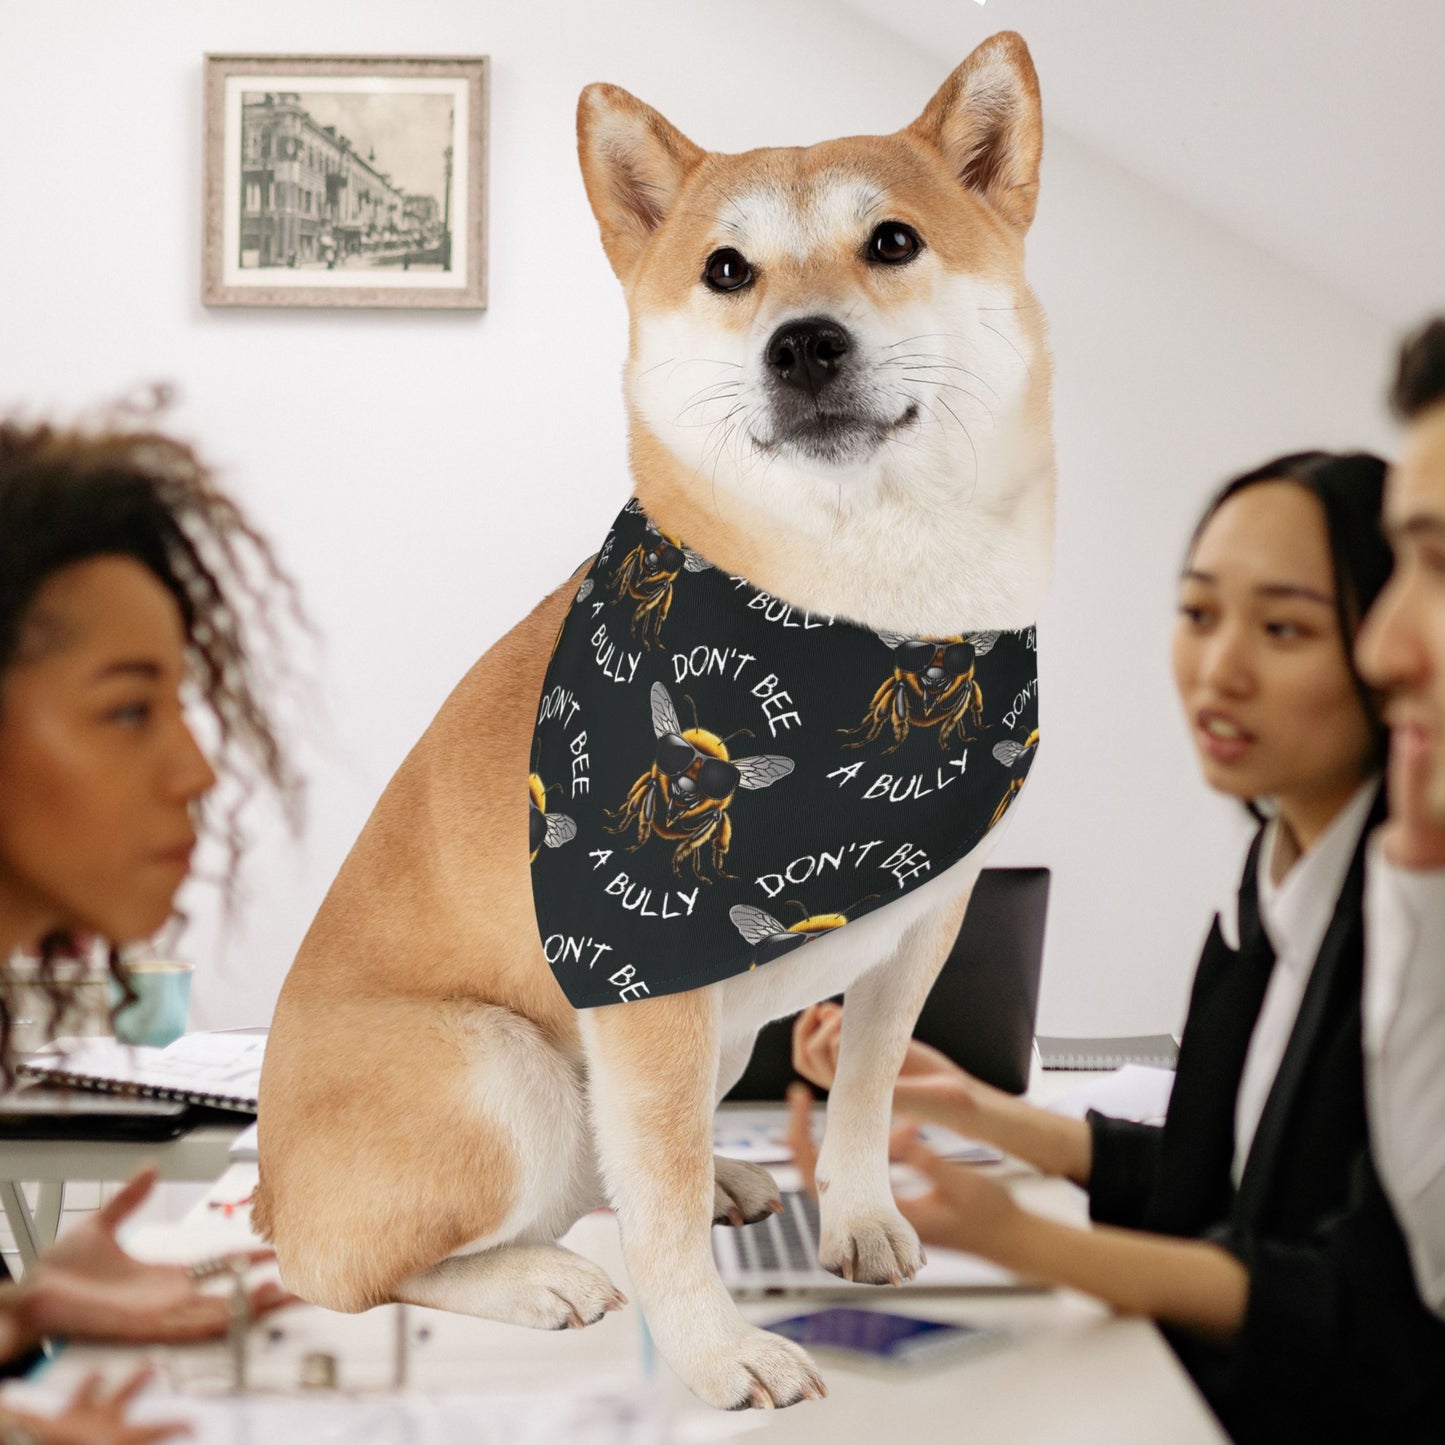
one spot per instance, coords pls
(1420, 373)
(1349, 488)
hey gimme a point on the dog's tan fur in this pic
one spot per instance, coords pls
(434, 1114)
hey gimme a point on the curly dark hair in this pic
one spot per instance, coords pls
(1420, 374)
(118, 487)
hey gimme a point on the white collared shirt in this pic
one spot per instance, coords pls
(1404, 1038)
(1296, 913)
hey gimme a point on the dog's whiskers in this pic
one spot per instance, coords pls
(1012, 347)
(926, 336)
(932, 361)
(710, 396)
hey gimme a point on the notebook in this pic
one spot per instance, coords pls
(1160, 1051)
(222, 1070)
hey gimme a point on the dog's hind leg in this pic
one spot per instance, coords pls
(437, 1130)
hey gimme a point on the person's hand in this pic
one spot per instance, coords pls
(85, 1286)
(963, 1209)
(929, 1084)
(1410, 838)
(94, 1418)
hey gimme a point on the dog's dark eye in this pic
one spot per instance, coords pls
(893, 243)
(727, 270)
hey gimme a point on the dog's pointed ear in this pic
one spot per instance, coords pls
(633, 165)
(986, 122)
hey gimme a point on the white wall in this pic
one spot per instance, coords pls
(427, 476)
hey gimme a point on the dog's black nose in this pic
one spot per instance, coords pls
(808, 353)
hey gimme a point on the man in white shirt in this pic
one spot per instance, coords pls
(1402, 650)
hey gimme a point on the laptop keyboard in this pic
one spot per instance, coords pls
(786, 1241)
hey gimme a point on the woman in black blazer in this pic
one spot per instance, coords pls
(1251, 1224)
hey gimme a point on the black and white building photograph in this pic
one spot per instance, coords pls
(339, 188)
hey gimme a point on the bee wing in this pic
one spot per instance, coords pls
(664, 715)
(753, 923)
(1008, 753)
(560, 829)
(894, 639)
(983, 642)
(585, 590)
(692, 562)
(761, 771)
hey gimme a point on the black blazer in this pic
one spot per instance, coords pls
(1336, 1343)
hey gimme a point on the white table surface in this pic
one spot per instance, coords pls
(1072, 1372)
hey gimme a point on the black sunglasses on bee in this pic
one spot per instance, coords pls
(715, 778)
(536, 827)
(955, 658)
(663, 557)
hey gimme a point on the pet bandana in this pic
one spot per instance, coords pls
(719, 778)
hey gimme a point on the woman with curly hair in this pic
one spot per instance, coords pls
(129, 587)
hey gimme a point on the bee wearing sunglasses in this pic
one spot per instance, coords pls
(646, 575)
(1008, 753)
(685, 794)
(932, 686)
(553, 829)
(772, 939)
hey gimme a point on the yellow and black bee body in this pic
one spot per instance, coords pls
(553, 829)
(933, 686)
(1008, 753)
(771, 939)
(646, 576)
(686, 793)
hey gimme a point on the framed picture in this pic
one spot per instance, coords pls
(345, 181)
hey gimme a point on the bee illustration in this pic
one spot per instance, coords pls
(1008, 753)
(553, 829)
(646, 575)
(932, 686)
(686, 793)
(772, 939)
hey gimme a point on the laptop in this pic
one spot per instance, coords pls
(981, 1013)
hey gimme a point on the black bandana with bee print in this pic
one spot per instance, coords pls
(719, 778)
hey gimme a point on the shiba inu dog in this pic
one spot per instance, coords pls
(838, 388)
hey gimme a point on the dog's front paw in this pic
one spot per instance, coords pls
(756, 1370)
(742, 1193)
(877, 1247)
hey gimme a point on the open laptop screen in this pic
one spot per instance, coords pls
(982, 1008)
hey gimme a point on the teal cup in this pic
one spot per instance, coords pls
(163, 1002)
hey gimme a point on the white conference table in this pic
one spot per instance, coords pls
(199, 1155)
(1071, 1371)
